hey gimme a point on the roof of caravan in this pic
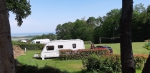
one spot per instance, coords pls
(41, 39)
(66, 40)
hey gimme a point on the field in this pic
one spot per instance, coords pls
(17, 38)
(136, 46)
(74, 66)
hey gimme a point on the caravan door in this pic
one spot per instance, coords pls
(51, 51)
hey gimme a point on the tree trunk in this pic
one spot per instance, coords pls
(127, 59)
(6, 51)
(146, 68)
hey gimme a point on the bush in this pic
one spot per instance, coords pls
(147, 46)
(140, 59)
(81, 54)
(30, 46)
(109, 63)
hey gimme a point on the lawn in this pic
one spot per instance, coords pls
(136, 46)
(74, 66)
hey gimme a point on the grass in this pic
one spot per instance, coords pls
(74, 66)
(136, 46)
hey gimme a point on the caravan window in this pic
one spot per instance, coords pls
(60, 46)
(50, 48)
(74, 45)
(37, 42)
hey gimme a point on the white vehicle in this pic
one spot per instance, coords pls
(40, 41)
(23, 41)
(52, 48)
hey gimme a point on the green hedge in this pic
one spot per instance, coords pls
(81, 54)
(29, 46)
(109, 63)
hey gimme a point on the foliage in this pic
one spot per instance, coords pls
(140, 60)
(81, 54)
(87, 42)
(75, 66)
(50, 36)
(107, 64)
(21, 8)
(147, 46)
(107, 26)
(30, 46)
(110, 63)
(79, 29)
(64, 31)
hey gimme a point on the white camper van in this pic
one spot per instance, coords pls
(52, 48)
(40, 41)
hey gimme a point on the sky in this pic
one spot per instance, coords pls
(47, 14)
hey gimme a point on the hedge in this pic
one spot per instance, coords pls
(110, 63)
(30, 46)
(81, 54)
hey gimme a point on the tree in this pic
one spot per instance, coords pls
(6, 53)
(127, 59)
(91, 21)
(82, 30)
(21, 8)
(111, 23)
(64, 31)
(139, 19)
(139, 8)
(98, 32)
(50, 36)
(7, 63)
(146, 68)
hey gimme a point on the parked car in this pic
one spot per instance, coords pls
(107, 47)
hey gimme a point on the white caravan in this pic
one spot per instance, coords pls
(52, 48)
(40, 41)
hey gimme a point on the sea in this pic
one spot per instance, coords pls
(29, 34)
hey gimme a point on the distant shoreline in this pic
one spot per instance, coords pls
(27, 34)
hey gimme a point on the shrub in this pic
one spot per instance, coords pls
(30, 46)
(147, 46)
(81, 54)
(140, 59)
(109, 63)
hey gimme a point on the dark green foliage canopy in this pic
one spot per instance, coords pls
(50, 36)
(107, 26)
(21, 8)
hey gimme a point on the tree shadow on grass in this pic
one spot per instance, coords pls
(20, 68)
